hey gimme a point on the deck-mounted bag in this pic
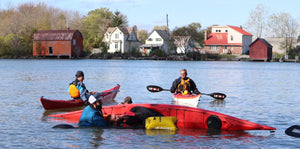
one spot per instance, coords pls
(161, 122)
(73, 91)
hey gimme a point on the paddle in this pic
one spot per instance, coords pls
(154, 89)
(293, 131)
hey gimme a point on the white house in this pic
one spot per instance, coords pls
(121, 39)
(158, 39)
(227, 40)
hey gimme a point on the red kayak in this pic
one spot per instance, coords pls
(188, 117)
(49, 104)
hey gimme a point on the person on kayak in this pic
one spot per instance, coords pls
(184, 84)
(127, 100)
(92, 114)
(135, 118)
(77, 88)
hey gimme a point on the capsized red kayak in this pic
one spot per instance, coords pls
(50, 104)
(188, 117)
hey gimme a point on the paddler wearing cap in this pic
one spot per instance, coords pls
(92, 114)
(77, 88)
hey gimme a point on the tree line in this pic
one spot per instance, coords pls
(261, 23)
(17, 26)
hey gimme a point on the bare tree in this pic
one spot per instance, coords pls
(257, 21)
(285, 26)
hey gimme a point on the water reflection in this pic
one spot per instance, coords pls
(96, 139)
(199, 133)
(182, 103)
(217, 103)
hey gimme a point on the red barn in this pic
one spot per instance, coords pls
(260, 49)
(58, 43)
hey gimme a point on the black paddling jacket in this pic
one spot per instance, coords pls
(192, 87)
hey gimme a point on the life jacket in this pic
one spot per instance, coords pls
(74, 91)
(184, 86)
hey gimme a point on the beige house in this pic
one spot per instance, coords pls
(121, 39)
(227, 40)
(278, 44)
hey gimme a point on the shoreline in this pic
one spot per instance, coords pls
(204, 57)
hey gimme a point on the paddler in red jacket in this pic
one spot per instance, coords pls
(184, 84)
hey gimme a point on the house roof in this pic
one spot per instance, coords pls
(110, 29)
(164, 34)
(54, 35)
(263, 40)
(124, 30)
(217, 39)
(240, 30)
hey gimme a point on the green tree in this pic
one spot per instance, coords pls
(119, 19)
(142, 35)
(193, 30)
(94, 25)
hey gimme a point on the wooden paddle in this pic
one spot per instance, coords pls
(154, 89)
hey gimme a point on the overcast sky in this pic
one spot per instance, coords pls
(148, 13)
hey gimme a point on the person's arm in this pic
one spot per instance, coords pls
(174, 86)
(83, 91)
(194, 87)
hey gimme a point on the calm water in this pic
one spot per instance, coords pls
(265, 93)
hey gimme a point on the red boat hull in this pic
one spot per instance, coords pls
(188, 117)
(50, 104)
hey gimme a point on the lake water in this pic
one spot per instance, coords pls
(264, 93)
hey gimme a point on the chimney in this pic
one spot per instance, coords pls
(205, 35)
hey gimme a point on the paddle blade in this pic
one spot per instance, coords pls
(154, 88)
(293, 131)
(218, 95)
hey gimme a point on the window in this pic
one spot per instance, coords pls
(231, 37)
(158, 39)
(226, 31)
(74, 42)
(217, 30)
(116, 45)
(225, 47)
(50, 50)
(116, 36)
(213, 48)
(150, 39)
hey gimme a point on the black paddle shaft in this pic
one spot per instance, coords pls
(155, 88)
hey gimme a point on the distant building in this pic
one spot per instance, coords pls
(227, 40)
(260, 49)
(58, 43)
(157, 40)
(278, 44)
(121, 39)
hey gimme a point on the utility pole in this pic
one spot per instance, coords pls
(167, 23)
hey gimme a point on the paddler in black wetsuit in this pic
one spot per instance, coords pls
(184, 84)
(135, 118)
